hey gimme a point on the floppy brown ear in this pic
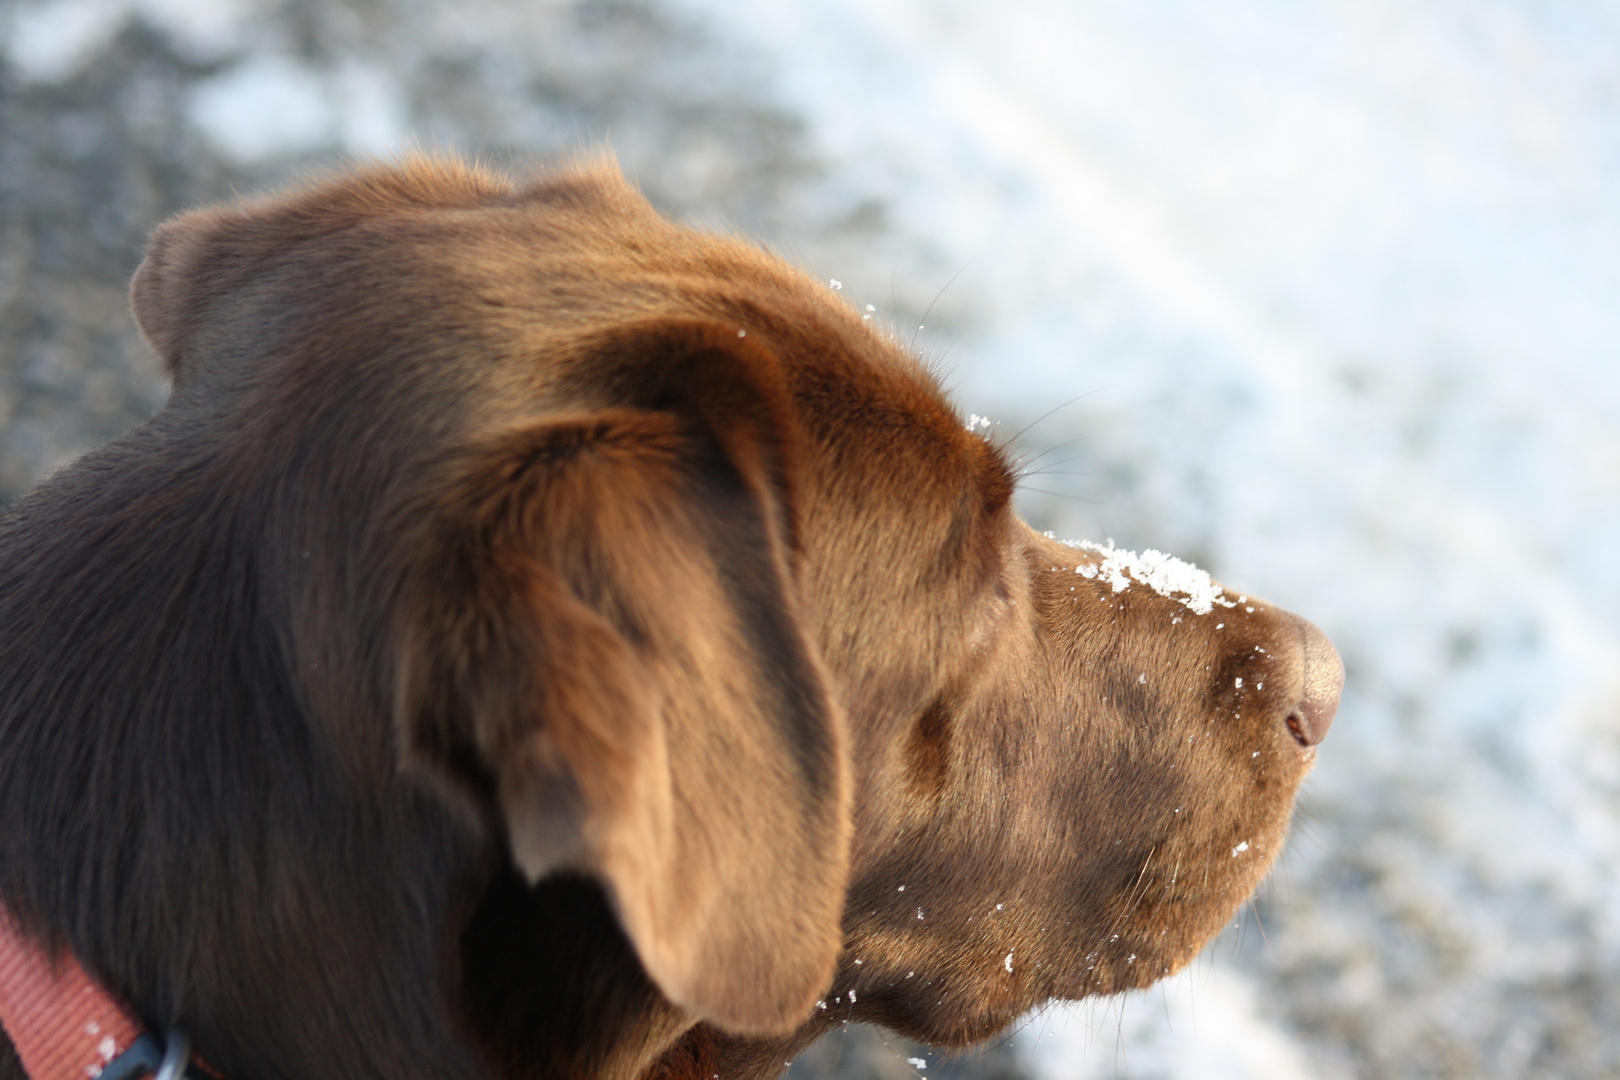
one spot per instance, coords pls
(161, 295)
(200, 256)
(602, 637)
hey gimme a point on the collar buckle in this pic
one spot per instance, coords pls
(168, 1059)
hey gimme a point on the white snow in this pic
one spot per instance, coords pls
(1164, 574)
(265, 106)
(51, 41)
(202, 29)
(1203, 1024)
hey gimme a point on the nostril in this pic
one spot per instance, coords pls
(1296, 725)
(1323, 681)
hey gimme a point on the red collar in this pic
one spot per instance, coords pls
(65, 1025)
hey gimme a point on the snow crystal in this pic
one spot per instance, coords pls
(976, 422)
(835, 285)
(1007, 963)
(917, 1062)
(1164, 574)
(1240, 849)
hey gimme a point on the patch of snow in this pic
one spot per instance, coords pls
(203, 30)
(49, 42)
(370, 105)
(271, 105)
(1164, 574)
(1203, 1024)
(264, 107)
(54, 40)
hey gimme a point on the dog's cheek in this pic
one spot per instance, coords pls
(1236, 769)
(1166, 800)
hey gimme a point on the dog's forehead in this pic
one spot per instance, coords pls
(572, 257)
(509, 290)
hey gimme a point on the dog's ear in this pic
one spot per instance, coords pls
(601, 637)
(199, 257)
(161, 295)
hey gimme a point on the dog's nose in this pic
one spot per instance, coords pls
(1324, 678)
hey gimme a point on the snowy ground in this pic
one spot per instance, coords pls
(1339, 283)
(1343, 284)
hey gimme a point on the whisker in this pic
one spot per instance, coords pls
(1025, 462)
(1078, 397)
(1054, 471)
(1024, 467)
(1060, 495)
(930, 309)
(1260, 924)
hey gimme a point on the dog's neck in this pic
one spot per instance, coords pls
(63, 1024)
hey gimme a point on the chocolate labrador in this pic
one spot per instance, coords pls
(540, 640)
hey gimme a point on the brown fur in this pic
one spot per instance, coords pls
(538, 640)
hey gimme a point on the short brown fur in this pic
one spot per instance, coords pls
(539, 640)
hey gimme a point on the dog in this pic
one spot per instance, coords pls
(537, 639)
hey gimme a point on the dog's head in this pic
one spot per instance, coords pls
(670, 578)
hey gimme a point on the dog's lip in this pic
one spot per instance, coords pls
(1323, 681)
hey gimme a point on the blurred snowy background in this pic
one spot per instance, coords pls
(1338, 280)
